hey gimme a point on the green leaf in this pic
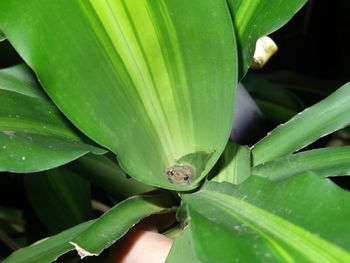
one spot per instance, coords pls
(34, 136)
(234, 164)
(256, 18)
(182, 249)
(302, 219)
(60, 198)
(143, 78)
(49, 249)
(117, 221)
(20, 79)
(329, 115)
(331, 161)
(101, 171)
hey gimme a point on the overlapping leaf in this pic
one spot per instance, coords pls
(144, 78)
(331, 161)
(104, 232)
(303, 219)
(329, 115)
(91, 237)
(34, 136)
(49, 249)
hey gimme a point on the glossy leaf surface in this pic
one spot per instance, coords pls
(34, 136)
(136, 71)
(117, 221)
(328, 115)
(331, 161)
(47, 250)
(256, 18)
(302, 219)
(60, 195)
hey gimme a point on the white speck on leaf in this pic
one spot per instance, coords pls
(10, 133)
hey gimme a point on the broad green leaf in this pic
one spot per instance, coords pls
(105, 173)
(49, 249)
(329, 115)
(34, 136)
(255, 18)
(143, 78)
(302, 219)
(117, 221)
(331, 161)
(60, 198)
(234, 164)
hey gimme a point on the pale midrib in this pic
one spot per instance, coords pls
(7, 124)
(176, 72)
(143, 82)
(244, 14)
(315, 248)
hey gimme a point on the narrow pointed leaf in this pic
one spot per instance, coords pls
(49, 249)
(116, 222)
(60, 195)
(331, 161)
(256, 18)
(327, 116)
(302, 219)
(143, 78)
(234, 164)
(34, 136)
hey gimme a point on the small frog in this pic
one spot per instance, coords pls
(180, 174)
